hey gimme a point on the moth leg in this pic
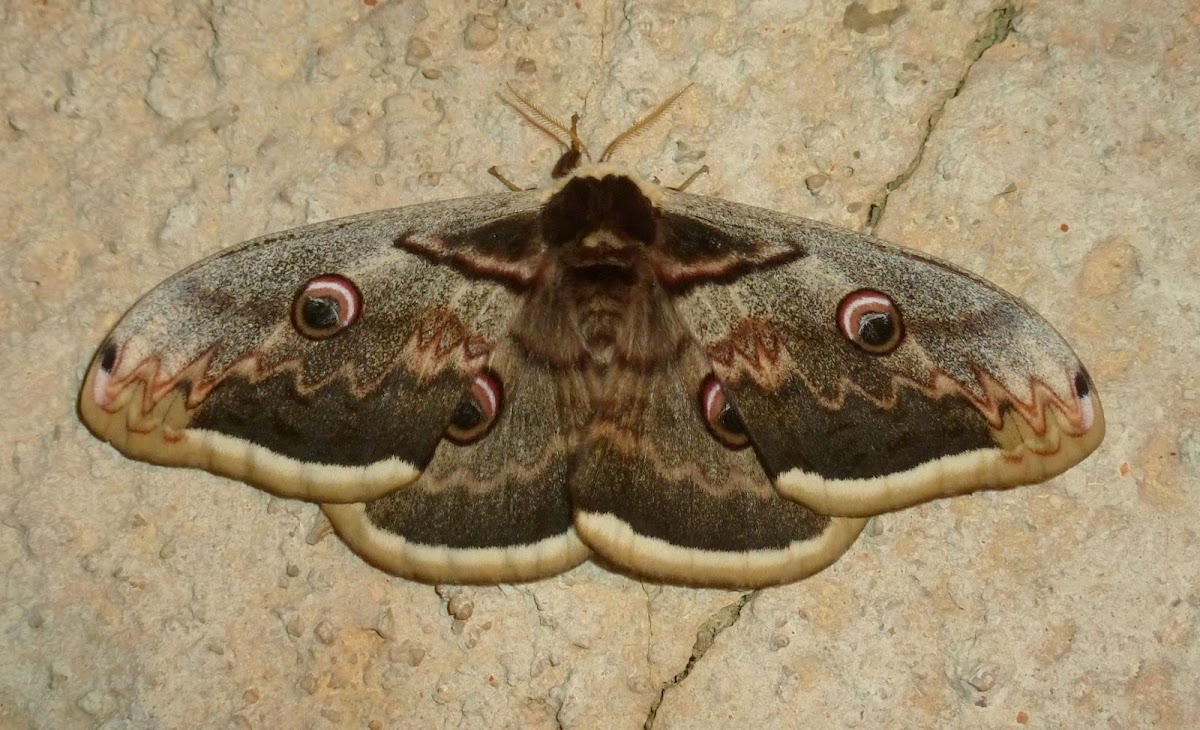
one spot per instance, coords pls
(691, 179)
(494, 171)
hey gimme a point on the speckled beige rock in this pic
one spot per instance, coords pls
(1054, 150)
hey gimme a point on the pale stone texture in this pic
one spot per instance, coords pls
(1055, 152)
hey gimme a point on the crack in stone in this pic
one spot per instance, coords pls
(706, 635)
(649, 627)
(558, 721)
(22, 531)
(999, 25)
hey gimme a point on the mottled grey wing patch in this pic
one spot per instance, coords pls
(209, 369)
(980, 392)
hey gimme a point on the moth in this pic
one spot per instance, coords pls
(497, 388)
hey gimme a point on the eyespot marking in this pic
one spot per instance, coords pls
(478, 411)
(1087, 406)
(722, 420)
(871, 321)
(107, 358)
(325, 306)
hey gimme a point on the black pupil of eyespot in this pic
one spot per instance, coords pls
(730, 421)
(1081, 385)
(875, 328)
(468, 415)
(320, 313)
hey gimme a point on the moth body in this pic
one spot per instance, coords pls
(498, 388)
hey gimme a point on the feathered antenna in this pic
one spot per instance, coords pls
(566, 136)
(642, 124)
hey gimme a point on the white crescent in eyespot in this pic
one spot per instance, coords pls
(331, 286)
(863, 300)
(485, 386)
(711, 393)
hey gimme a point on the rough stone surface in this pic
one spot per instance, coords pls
(1051, 147)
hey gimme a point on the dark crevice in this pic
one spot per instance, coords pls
(706, 635)
(649, 625)
(999, 25)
